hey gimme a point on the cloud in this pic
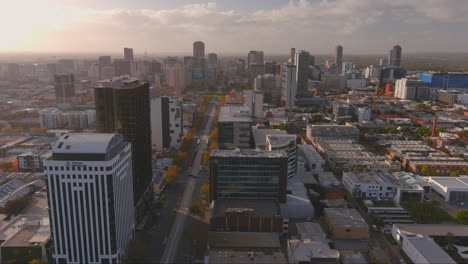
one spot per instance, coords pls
(299, 22)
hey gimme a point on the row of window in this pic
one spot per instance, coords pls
(78, 168)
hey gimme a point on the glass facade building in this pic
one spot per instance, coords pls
(248, 175)
(123, 106)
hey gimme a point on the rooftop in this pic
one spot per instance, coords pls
(248, 153)
(250, 240)
(433, 229)
(260, 208)
(430, 250)
(347, 217)
(26, 231)
(234, 113)
(120, 82)
(90, 143)
(236, 257)
(259, 135)
(451, 182)
(365, 178)
(280, 140)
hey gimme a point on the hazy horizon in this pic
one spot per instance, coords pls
(234, 27)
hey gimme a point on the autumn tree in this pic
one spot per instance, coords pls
(213, 145)
(198, 207)
(179, 157)
(206, 157)
(172, 174)
(205, 191)
(214, 135)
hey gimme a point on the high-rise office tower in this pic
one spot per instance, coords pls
(254, 57)
(339, 58)
(104, 61)
(293, 55)
(166, 123)
(288, 85)
(66, 66)
(395, 56)
(123, 106)
(122, 67)
(212, 66)
(198, 49)
(90, 196)
(248, 174)
(128, 54)
(302, 62)
(64, 87)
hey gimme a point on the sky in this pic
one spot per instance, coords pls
(233, 26)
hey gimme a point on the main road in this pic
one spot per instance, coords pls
(173, 240)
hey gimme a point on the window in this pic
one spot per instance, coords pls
(172, 109)
(101, 168)
(177, 125)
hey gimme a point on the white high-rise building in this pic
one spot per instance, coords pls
(288, 85)
(166, 123)
(411, 89)
(254, 101)
(346, 67)
(90, 193)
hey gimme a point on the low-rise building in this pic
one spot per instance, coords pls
(33, 160)
(345, 223)
(452, 189)
(245, 247)
(311, 246)
(311, 159)
(368, 185)
(420, 248)
(25, 239)
(247, 216)
(332, 131)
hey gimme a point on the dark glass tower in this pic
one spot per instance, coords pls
(123, 107)
(64, 87)
(339, 58)
(395, 56)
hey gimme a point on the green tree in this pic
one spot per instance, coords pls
(461, 216)
(424, 169)
(454, 173)
(391, 130)
(428, 213)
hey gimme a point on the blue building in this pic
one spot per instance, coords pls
(445, 81)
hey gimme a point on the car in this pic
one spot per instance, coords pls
(375, 228)
(402, 261)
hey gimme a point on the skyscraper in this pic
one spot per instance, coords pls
(395, 56)
(104, 61)
(90, 195)
(339, 58)
(198, 49)
(198, 67)
(128, 54)
(122, 67)
(254, 57)
(288, 85)
(293, 55)
(302, 62)
(64, 87)
(123, 106)
(212, 66)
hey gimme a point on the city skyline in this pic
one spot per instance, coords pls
(360, 26)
